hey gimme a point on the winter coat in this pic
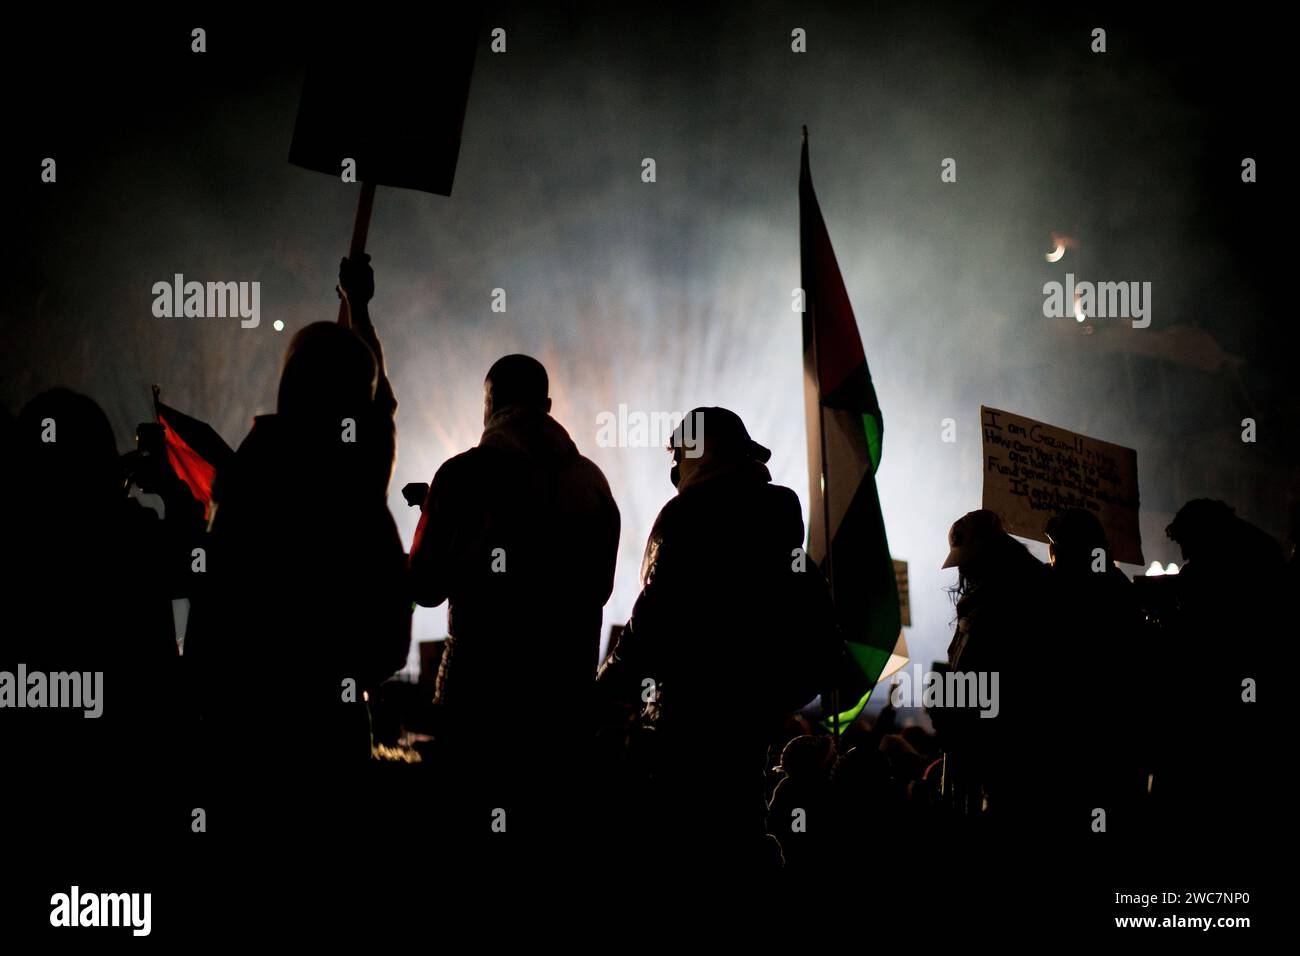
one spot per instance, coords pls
(306, 602)
(734, 628)
(520, 535)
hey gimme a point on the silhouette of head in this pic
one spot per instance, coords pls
(806, 756)
(1073, 535)
(859, 769)
(66, 448)
(515, 381)
(711, 439)
(973, 539)
(327, 369)
(1203, 527)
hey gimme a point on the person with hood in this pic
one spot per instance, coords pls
(519, 535)
(305, 603)
(733, 630)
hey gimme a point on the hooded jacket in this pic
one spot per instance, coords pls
(732, 631)
(520, 535)
(726, 622)
(305, 586)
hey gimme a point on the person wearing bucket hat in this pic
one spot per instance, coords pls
(711, 441)
(732, 619)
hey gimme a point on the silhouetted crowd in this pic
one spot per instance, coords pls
(694, 748)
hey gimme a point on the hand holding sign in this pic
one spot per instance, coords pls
(402, 125)
(356, 287)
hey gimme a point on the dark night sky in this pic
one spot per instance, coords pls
(669, 295)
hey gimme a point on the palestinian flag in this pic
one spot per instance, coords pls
(846, 531)
(194, 449)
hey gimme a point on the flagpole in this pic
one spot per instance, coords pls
(821, 430)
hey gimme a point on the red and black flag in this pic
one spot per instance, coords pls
(194, 449)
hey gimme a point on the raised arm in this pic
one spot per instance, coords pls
(357, 287)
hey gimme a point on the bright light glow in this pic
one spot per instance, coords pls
(1155, 570)
(1171, 568)
(1078, 308)
(1059, 244)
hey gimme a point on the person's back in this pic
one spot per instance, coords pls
(1230, 618)
(519, 535)
(531, 529)
(1095, 762)
(800, 812)
(305, 603)
(998, 637)
(734, 630)
(308, 592)
(722, 552)
(1229, 594)
(90, 576)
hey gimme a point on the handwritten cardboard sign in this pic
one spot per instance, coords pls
(1033, 471)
